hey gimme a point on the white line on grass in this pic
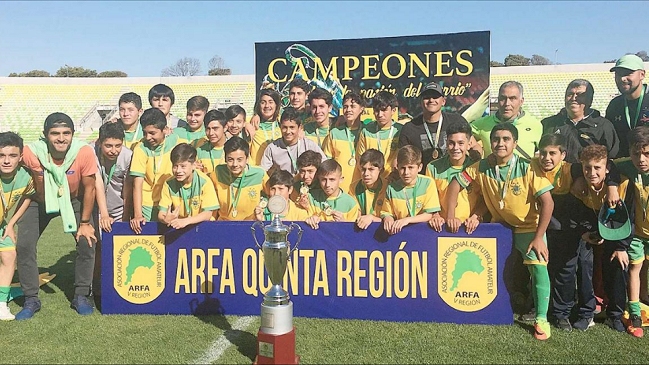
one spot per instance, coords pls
(218, 347)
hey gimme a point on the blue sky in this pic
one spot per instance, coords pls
(142, 38)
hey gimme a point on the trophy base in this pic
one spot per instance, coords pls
(276, 320)
(276, 349)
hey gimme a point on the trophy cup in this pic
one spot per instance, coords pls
(276, 336)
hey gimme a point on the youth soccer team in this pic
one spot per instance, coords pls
(153, 166)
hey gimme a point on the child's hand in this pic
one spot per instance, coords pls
(259, 213)
(592, 238)
(137, 223)
(622, 257)
(338, 216)
(398, 225)
(179, 223)
(313, 221)
(303, 201)
(254, 121)
(471, 224)
(106, 223)
(200, 166)
(436, 222)
(364, 221)
(540, 249)
(453, 224)
(613, 196)
(387, 223)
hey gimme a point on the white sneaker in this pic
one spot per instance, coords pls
(5, 313)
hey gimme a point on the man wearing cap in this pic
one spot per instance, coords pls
(510, 101)
(428, 130)
(631, 108)
(62, 168)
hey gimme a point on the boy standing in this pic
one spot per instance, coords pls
(320, 103)
(189, 196)
(17, 189)
(281, 183)
(210, 150)
(307, 166)
(412, 198)
(150, 167)
(196, 109)
(130, 111)
(511, 189)
(331, 204)
(383, 133)
(370, 190)
(162, 97)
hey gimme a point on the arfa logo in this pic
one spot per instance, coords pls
(467, 272)
(139, 267)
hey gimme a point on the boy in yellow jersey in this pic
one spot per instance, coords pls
(383, 133)
(369, 191)
(331, 204)
(413, 198)
(307, 165)
(443, 170)
(210, 150)
(189, 196)
(342, 140)
(197, 107)
(615, 258)
(512, 190)
(17, 189)
(267, 108)
(320, 104)
(637, 168)
(281, 183)
(150, 167)
(235, 116)
(239, 186)
(130, 111)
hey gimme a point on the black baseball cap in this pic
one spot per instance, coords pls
(58, 118)
(432, 87)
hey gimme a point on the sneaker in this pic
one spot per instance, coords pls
(5, 313)
(541, 330)
(564, 324)
(634, 325)
(616, 324)
(529, 316)
(82, 305)
(583, 324)
(31, 306)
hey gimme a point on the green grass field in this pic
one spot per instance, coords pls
(58, 335)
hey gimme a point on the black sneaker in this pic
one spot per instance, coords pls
(616, 324)
(583, 324)
(82, 305)
(563, 324)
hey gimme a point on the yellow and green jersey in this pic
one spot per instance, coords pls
(209, 155)
(199, 196)
(369, 200)
(385, 140)
(509, 191)
(640, 182)
(322, 206)
(295, 195)
(529, 128)
(443, 172)
(154, 166)
(408, 201)
(13, 190)
(294, 214)
(560, 176)
(131, 138)
(340, 145)
(268, 132)
(315, 133)
(187, 134)
(238, 196)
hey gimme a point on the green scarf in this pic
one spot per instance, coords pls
(57, 190)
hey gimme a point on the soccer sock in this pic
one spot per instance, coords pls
(4, 294)
(634, 307)
(541, 290)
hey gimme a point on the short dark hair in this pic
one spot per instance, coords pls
(213, 115)
(309, 158)
(183, 152)
(198, 103)
(327, 167)
(111, 130)
(460, 126)
(384, 99)
(588, 95)
(638, 138)
(160, 91)
(131, 97)
(11, 139)
(356, 98)
(236, 143)
(408, 154)
(154, 117)
(591, 152)
(233, 110)
(56, 120)
(280, 177)
(291, 114)
(374, 157)
(276, 98)
(320, 93)
(301, 83)
(553, 139)
(504, 127)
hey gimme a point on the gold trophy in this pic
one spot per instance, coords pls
(276, 336)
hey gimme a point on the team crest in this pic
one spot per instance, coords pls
(195, 202)
(516, 189)
(419, 204)
(139, 267)
(252, 194)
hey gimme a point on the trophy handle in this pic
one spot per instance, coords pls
(299, 237)
(254, 233)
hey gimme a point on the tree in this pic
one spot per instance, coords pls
(183, 67)
(112, 74)
(516, 60)
(496, 64)
(32, 73)
(217, 67)
(69, 71)
(643, 55)
(539, 60)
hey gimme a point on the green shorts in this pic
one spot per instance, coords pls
(521, 242)
(638, 250)
(150, 213)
